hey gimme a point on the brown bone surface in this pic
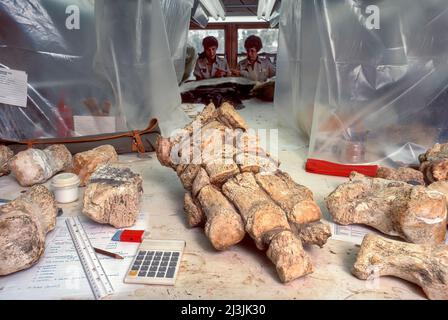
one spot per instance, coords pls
(24, 224)
(113, 196)
(5, 155)
(434, 163)
(85, 163)
(423, 264)
(34, 166)
(414, 213)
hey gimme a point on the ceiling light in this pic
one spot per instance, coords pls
(214, 8)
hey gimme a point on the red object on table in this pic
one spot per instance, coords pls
(340, 170)
(132, 235)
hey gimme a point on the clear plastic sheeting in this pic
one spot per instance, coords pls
(298, 62)
(177, 15)
(133, 54)
(381, 93)
(111, 72)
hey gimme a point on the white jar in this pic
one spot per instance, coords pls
(65, 187)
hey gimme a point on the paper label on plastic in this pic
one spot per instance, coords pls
(13, 87)
(92, 125)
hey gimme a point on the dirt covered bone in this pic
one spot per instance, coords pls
(85, 163)
(408, 175)
(314, 233)
(34, 166)
(224, 226)
(24, 224)
(287, 254)
(423, 264)
(296, 200)
(193, 211)
(414, 213)
(434, 163)
(259, 212)
(113, 196)
(5, 155)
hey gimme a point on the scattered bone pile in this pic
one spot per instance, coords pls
(24, 224)
(233, 187)
(423, 264)
(34, 166)
(113, 196)
(414, 213)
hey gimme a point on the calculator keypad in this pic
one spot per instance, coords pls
(155, 264)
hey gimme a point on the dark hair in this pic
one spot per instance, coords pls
(209, 41)
(253, 41)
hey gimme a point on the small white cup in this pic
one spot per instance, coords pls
(65, 187)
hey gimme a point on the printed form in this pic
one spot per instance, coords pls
(59, 273)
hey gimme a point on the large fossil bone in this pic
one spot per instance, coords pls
(414, 213)
(113, 196)
(5, 155)
(234, 186)
(423, 264)
(24, 224)
(34, 166)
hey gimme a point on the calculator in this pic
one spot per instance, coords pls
(156, 262)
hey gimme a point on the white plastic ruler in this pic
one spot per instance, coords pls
(98, 280)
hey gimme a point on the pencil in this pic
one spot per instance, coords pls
(107, 253)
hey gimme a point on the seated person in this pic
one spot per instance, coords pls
(254, 67)
(209, 65)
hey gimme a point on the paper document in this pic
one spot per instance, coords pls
(59, 274)
(13, 87)
(353, 233)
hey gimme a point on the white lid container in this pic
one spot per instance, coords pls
(65, 187)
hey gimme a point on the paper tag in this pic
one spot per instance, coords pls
(13, 87)
(91, 125)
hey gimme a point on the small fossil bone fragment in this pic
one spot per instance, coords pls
(423, 264)
(24, 224)
(414, 213)
(34, 166)
(434, 163)
(314, 233)
(408, 175)
(85, 163)
(113, 196)
(5, 155)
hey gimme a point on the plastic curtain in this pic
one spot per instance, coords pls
(375, 84)
(177, 15)
(113, 72)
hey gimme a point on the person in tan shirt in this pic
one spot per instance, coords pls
(255, 67)
(209, 65)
